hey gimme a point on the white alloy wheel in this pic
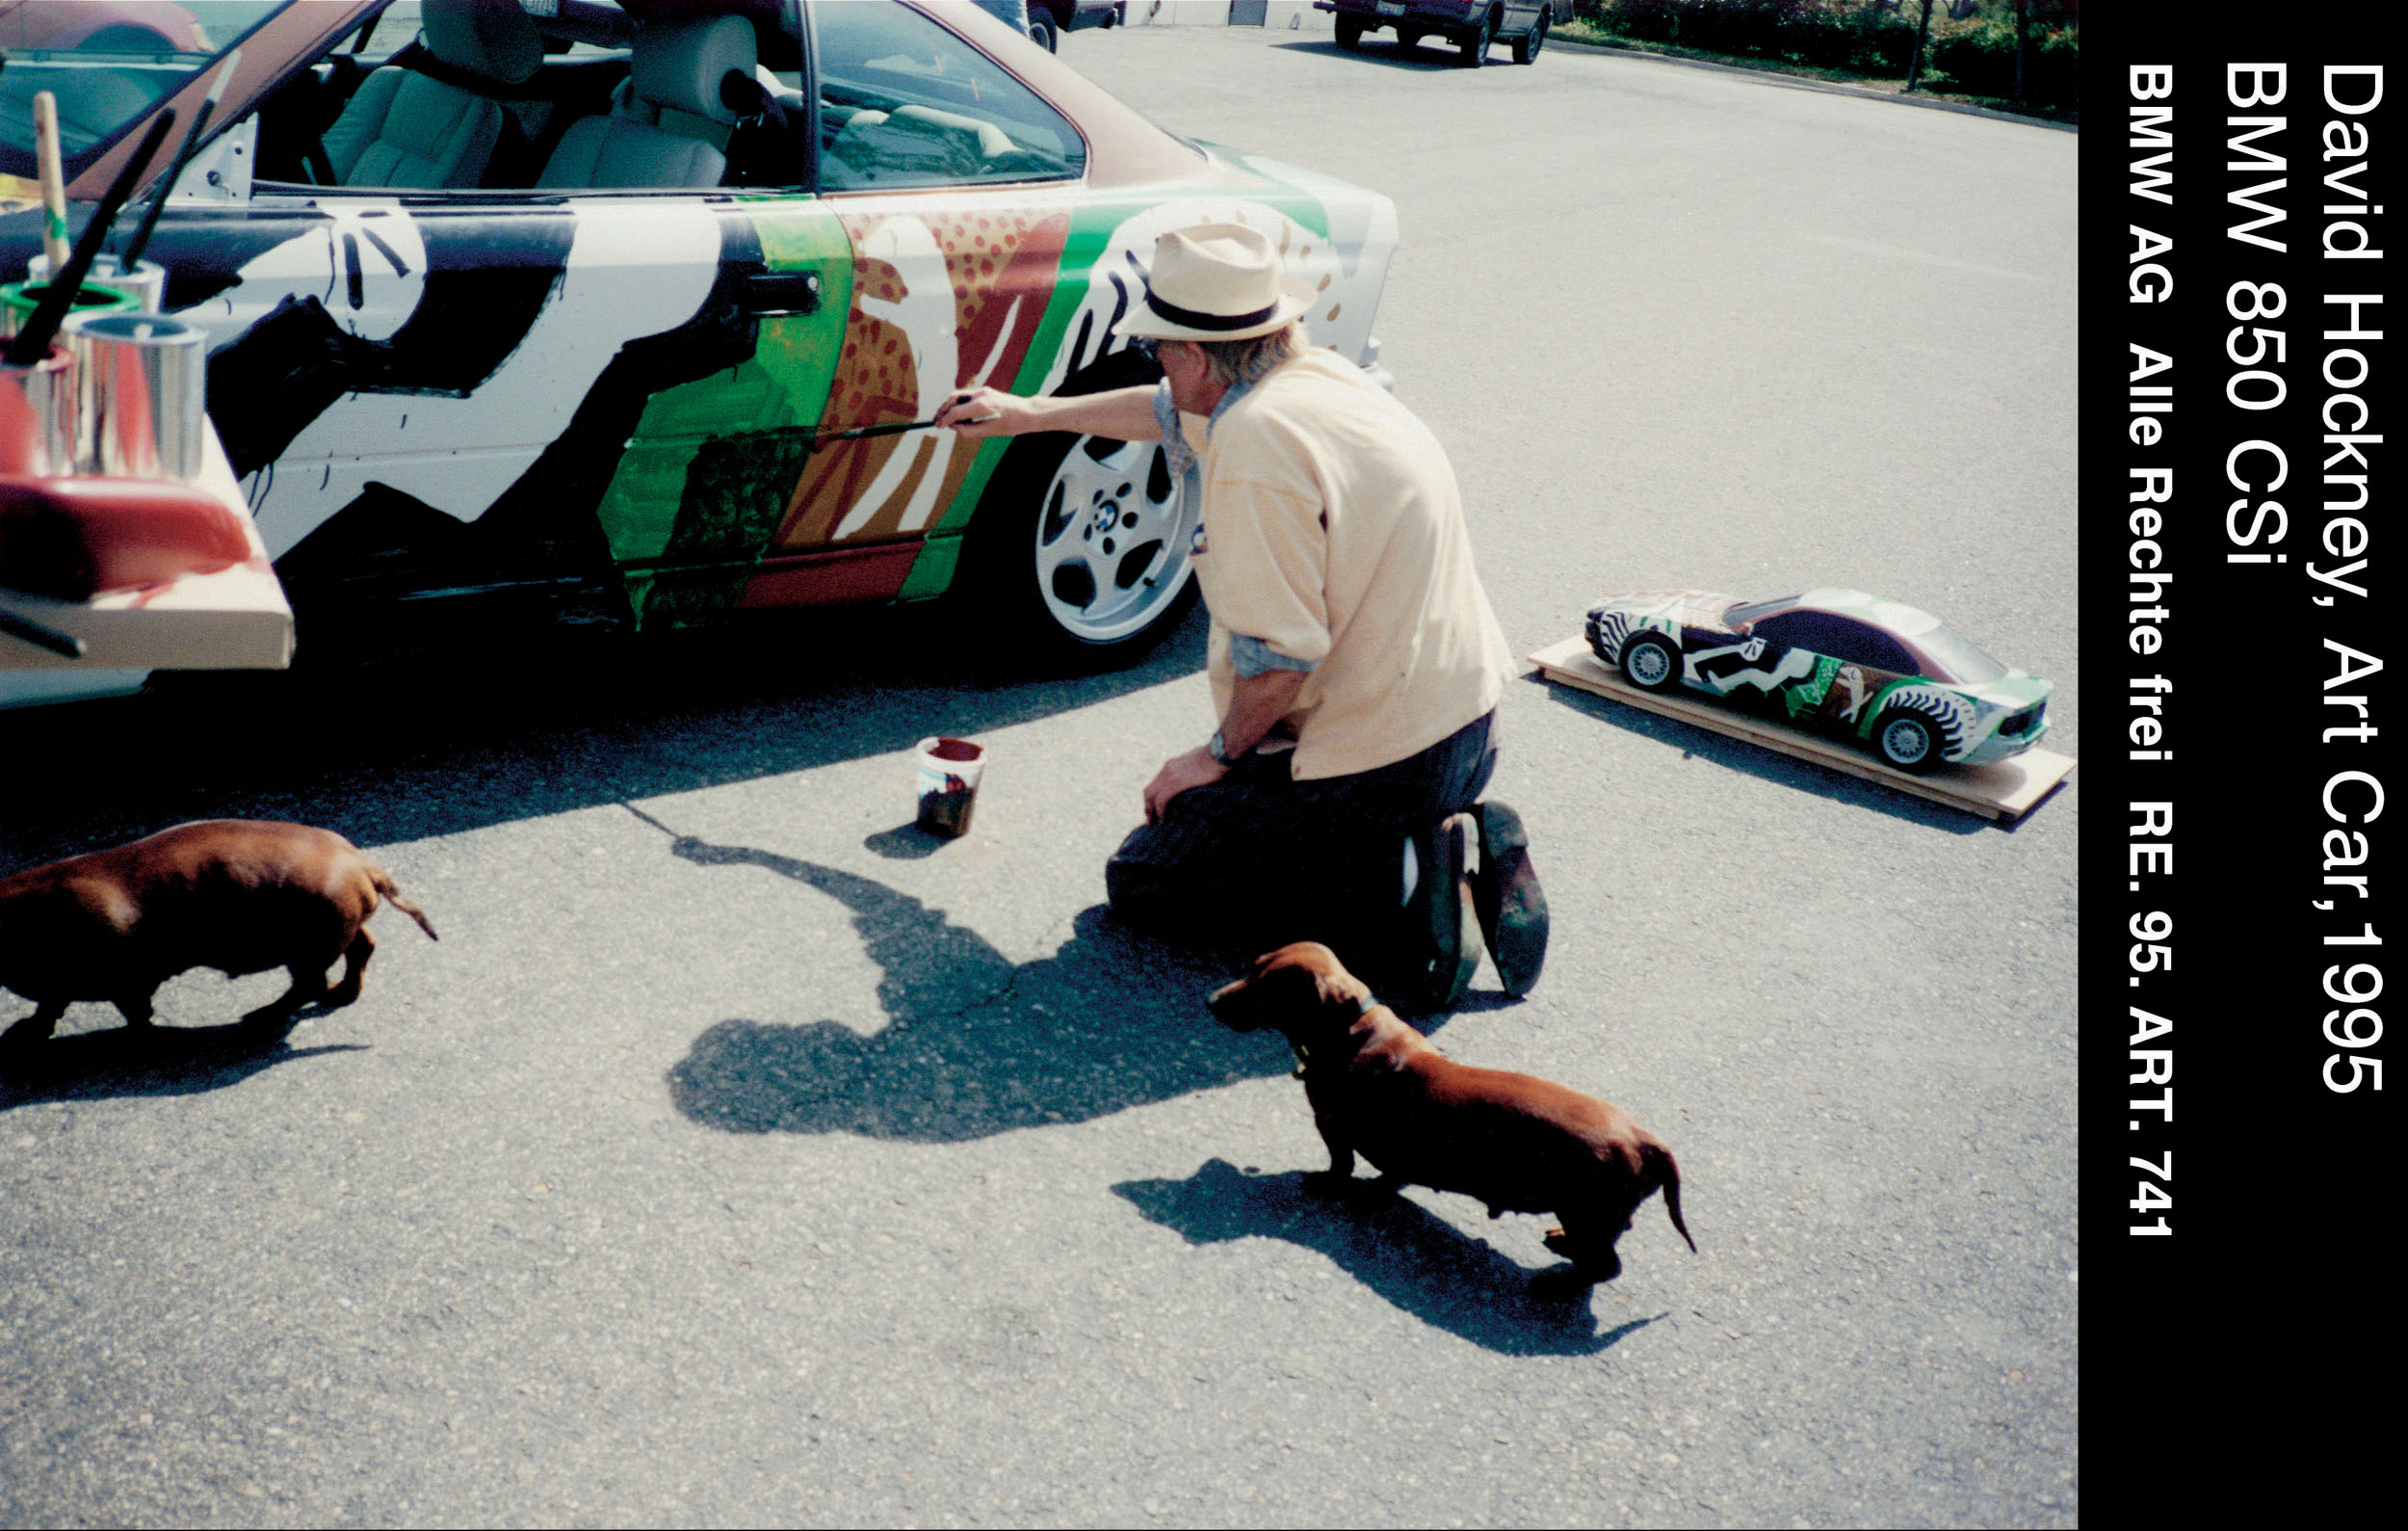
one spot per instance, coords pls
(1113, 538)
(1649, 662)
(1908, 743)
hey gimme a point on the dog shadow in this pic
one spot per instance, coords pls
(123, 1060)
(975, 1044)
(1416, 1261)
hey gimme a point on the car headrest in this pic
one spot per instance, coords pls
(679, 64)
(494, 40)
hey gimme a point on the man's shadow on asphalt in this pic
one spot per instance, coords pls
(975, 1044)
(121, 1061)
(1441, 1275)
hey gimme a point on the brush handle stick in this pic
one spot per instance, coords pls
(175, 171)
(53, 178)
(33, 342)
(42, 635)
(896, 428)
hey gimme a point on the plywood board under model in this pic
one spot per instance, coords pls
(2006, 790)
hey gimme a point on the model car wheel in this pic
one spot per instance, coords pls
(1476, 45)
(1906, 740)
(1041, 32)
(1526, 46)
(1081, 545)
(1349, 32)
(1650, 661)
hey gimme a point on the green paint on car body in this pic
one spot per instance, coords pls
(1807, 695)
(705, 480)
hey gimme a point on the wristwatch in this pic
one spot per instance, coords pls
(1220, 751)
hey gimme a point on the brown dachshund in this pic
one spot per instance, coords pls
(1517, 1143)
(239, 895)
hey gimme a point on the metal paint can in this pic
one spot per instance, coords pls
(147, 283)
(19, 298)
(142, 379)
(37, 416)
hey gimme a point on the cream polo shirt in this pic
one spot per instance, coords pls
(1333, 532)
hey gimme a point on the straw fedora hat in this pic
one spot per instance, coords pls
(1215, 281)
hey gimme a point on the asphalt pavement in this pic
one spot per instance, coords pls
(739, 1156)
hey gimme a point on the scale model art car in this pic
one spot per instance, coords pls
(1913, 691)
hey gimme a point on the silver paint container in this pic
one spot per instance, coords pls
(143, 385)
(147, 283)
(38, 416)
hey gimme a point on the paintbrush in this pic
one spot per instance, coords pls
(42, 635)
(33, 342)
(53, 179)
(896, 428)
(176, 172)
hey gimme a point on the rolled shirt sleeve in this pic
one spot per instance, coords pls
(1251, 656)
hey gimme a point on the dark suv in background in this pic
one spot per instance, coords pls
(1069, 15)
(1047, 19)
(1472, 26)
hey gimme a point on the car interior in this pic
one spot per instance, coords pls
(658, 95)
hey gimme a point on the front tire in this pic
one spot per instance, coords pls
(1041, 32)
(1906, 741)
(1350, 33)
(1082, 545)
(1650, 661)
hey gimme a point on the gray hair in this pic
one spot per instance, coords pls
(1230, 362)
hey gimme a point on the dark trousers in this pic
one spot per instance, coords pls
(1257, 859)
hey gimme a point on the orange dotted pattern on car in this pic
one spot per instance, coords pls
(991, 259)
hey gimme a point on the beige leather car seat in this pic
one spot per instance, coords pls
(918, 139)
(406, 128)
(670, 127)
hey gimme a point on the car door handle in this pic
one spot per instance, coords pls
(771, 294)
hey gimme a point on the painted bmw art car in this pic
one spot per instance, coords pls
(1899, 681)
(636, 312)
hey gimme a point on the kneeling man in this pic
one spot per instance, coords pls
(1354, 661)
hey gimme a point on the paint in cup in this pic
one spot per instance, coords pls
(949, 784)
(147, 283)
(19, 298)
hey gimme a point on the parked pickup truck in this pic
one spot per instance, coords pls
(1472, 26)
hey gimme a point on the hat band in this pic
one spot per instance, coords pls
(1196, 319)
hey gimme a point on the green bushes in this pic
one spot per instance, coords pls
(1978, 58)
(1970, 54)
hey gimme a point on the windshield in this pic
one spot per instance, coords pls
(107, 62)
(1748, 611)
(1956, 652)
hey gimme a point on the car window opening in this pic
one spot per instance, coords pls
(446, 110)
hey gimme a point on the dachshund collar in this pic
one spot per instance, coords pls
(1304, 1055)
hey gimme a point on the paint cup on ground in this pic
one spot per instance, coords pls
(949, 784)
(19, 298)
(147, 283)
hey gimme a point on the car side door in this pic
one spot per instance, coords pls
(1834, 666)
(955, 185)
(543, 385)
